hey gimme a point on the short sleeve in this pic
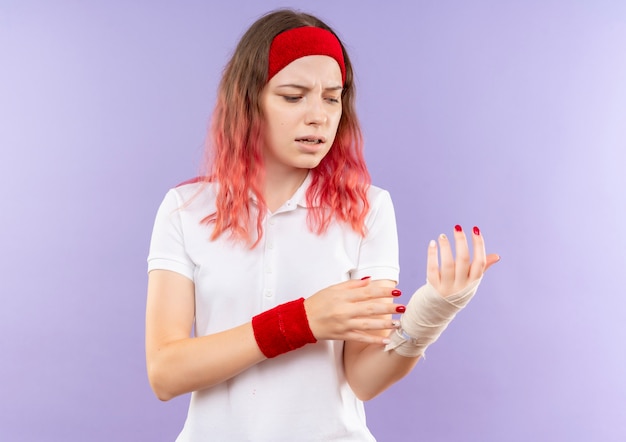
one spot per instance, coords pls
(167, 246)
(378, 254)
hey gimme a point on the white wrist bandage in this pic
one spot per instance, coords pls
(427, 316)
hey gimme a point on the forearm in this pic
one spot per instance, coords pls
(178, 364)
(370, 369)
(190, 364)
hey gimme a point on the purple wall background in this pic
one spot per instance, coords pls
(509, 115)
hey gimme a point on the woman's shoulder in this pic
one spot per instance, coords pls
(192, 191)
(375, 193)
(198, 182)
(380, 204)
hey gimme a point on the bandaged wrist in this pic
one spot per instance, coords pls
(427, 316)
(282, 329)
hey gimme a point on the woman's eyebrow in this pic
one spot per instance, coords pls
(305, 88)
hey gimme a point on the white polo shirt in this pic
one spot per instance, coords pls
(298, 396)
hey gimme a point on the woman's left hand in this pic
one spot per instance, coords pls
(456, 273)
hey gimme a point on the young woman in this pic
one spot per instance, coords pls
(283, 258)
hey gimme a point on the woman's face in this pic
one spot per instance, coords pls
(301, 108)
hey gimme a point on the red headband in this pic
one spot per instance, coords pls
(300, 42)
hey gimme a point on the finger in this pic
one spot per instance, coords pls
(374, 324)
(491, 260)
(462, 266)
(447, 261)
(357, 283)
(480, 257)
(366, 338)
(376, 309)
(372, 293)
(432, 264)
(376, 328)
(351, 284)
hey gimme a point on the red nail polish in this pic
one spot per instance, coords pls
(401, 309)
(476, 231)
(396, 292)
(458, 228)
(365, 277)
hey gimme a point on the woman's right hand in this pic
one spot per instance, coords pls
(354, 310)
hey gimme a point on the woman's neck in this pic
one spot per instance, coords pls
(280, 187)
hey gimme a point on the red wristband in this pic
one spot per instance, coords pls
(282, 329)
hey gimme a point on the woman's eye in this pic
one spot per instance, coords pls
(291, 98)
(333, 100)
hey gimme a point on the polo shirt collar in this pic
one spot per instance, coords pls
(299, 196)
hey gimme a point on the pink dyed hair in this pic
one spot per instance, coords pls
(234, 150)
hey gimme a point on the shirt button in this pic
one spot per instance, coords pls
(270, 245)
(272, 222)
(268, 293)
(268, 270)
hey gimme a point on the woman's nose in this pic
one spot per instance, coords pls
(316, 115)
